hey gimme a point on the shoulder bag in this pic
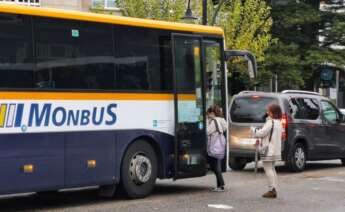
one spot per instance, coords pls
(216, 143)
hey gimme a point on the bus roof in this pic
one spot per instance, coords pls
(110, 19)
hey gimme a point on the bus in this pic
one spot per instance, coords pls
(102, 100)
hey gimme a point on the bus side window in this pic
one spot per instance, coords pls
(74, 55)
(143, 58)
(16, 52)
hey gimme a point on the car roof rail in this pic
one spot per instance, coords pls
(300, 92)
(245, 92)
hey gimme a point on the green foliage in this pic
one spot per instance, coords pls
(247, 25)
(168, 10)
(283, 59)
(307, 40)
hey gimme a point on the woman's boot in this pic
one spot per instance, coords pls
(270, 194)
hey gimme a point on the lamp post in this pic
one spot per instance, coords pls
(189, 14)
(204, 12)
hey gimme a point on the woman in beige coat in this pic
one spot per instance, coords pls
(270, 145)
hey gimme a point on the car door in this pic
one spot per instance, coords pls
(332, 148)
(307, 124)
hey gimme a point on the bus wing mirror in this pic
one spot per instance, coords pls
(252, 65)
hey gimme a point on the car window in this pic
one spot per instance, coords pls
(329, 112)
(304, 108)
(251, 109)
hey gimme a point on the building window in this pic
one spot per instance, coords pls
(23, 2)
(104, 4)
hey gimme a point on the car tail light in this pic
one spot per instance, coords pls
(284, 122)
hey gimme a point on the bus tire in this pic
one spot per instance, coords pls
(139, 170)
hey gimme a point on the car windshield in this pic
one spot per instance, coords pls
(250, 109)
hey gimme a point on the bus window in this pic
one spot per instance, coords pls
(143, 59)
(74, 55)
(16, 59)
(187, 58)
(214, 73)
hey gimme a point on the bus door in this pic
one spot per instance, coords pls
(189, 102)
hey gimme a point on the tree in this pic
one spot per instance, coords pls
(246, 25)
(168, 10)
(308, 36)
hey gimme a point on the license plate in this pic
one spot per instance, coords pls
(248, 141)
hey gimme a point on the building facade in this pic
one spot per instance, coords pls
(78, 5)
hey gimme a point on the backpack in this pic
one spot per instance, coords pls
(216, 143)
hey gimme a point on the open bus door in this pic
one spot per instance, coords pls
(252, 65)
(189, 103)
(252, 71)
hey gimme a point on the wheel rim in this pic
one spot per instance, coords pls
(140, 169)
(300, 157)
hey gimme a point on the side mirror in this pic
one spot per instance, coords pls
(252, 65)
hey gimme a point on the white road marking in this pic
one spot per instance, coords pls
(332, 179)
(220, 206)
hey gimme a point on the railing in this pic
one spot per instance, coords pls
(22, 2)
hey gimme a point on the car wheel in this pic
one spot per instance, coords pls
(139, 170)
(237, 164)
(297, 158)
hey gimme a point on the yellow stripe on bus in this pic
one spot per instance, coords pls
(110, 19)
(92, 96)
(3, 110)
(186, 97)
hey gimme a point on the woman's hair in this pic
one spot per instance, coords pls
(275, 110)
(218, 112)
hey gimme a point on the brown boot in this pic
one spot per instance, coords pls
(270, 194)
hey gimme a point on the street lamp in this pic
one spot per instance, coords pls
(189, 14)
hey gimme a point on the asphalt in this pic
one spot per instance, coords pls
(321, 188)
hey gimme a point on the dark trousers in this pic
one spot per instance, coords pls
(216, 167)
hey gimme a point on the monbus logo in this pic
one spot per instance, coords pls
(11, 115)
(45, 115)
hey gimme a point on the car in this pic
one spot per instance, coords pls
(314, 129)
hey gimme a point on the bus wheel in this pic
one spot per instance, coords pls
(139, 170)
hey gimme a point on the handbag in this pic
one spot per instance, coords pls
(264, 150)
(216, 143)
